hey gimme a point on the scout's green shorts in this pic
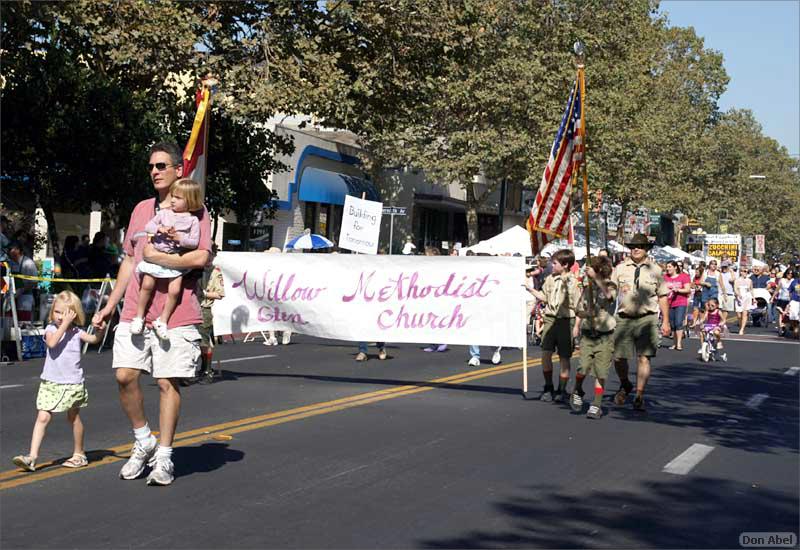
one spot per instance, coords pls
(207, 328)
(557, 335)
(596, 354)
(55, 397)
(637, 336)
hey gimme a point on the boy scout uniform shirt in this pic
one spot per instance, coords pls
(561, 295)
(604, 320)
(639, 286)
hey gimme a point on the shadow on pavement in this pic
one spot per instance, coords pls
(204, 458)
(678, 512)
(709, 397)
(234, 375)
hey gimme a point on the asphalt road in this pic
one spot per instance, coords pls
(299, 446)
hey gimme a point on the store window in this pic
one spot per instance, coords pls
(242, 238)
(324, 219)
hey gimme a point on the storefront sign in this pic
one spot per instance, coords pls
(447, 300)
(361, 225)
(694, 242)
(723, 244)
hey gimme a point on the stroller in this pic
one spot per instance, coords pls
(759, 311)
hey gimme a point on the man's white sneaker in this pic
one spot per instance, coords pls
(163, 471)
(287, 338)
(140, 454)
(137, 325)
(161, 329)
(474, 362)
(496, 358)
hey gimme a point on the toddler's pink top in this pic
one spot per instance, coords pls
(187, 226)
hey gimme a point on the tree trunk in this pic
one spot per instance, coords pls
(472, 215)
(52, 230)
(621, 224)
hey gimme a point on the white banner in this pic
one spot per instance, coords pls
(417, 299)
(361, 225)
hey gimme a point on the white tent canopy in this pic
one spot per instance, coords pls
(677, 252)
(511, 241)
(580, 251)
(614, 246)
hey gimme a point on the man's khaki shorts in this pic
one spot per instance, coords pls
(638, 336)
(177, 358)
(596, 354)
(557, 336)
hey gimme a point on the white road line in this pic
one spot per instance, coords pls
(10, 386)
(245, 358)
(755, 401)
(737, 339)
(687, 460)
(792, 371)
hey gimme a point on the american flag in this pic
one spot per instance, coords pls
(549, 215)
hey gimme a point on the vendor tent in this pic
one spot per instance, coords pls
(512, 241)
(677, 252)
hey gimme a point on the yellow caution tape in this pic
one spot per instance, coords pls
(53, 280)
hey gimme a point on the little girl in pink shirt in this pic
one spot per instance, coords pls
(171, 230)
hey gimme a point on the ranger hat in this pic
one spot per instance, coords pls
(639, 240)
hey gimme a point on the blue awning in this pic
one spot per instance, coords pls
(318, 185)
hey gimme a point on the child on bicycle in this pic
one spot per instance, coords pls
(712, 323)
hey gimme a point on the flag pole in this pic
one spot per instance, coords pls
(579, 51)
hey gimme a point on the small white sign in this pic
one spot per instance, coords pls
(361, 225)
(760, 248)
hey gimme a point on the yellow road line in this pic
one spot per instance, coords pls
(15, 478)
(207, 430)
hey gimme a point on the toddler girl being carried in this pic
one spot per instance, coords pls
(171, 230)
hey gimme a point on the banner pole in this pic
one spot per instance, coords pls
(525, 346)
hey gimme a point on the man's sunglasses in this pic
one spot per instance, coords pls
(639, 246)
(160, 166)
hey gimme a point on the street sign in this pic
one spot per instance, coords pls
(760, 248)
(394, 210)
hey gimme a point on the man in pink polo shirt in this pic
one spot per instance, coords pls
(168, 362)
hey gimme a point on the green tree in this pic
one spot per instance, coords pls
(765, 205)
(87, 86)
(241, 186)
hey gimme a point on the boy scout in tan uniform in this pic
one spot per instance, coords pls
(642, 292)
(596, 325)
(561, 294)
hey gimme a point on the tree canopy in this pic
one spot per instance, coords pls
(461, 89)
